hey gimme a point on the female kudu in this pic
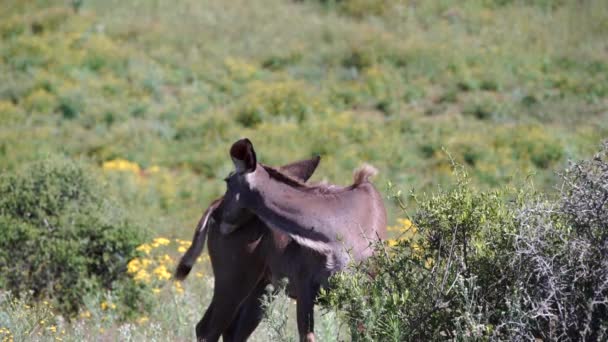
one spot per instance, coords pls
(316, 230)
(239, 266)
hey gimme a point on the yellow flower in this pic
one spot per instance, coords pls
(167, 259)
(53, 328)
(142, 320)
(162, 273)
(239, 68)
(183, 242)
(160, 242)
(133, 266)
(153, 169)
(106, 305)
(178, 287)
(145, 263)
(142, 276)
(85, 314)
(144, 248)
(121, 165)
(405, 223)
(181, 249)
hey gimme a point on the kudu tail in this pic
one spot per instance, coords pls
(198, 243)
(364, 173)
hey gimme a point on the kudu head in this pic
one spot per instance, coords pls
(240, 194)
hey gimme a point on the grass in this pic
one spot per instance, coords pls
(511, 89)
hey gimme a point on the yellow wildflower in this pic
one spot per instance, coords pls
(405, 223)
(178, 287)
(144, 248)
(121, 165)
(239, 68)
(181, 249)
(153, 169)
(183, 242)
(162, 273)
(106, 305)
(167, 259)
(142, 320)
(142, 276)
(53, 328)
(133, 266)
(160, 241)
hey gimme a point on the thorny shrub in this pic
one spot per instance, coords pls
(494, 265)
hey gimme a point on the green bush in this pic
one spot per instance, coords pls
(498, 265)
(281, 100)
(62, 238)
(428, 287)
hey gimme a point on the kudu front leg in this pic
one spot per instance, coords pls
(306, 295)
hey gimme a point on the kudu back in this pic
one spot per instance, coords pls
(239, 262)
(316, 230)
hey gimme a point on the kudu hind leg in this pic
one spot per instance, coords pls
(249, 317)
(228, 295)
(202, 327)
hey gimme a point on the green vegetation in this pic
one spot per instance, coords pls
(148, 95)
(494, 265)
(62, 239)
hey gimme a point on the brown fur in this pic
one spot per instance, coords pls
(328, 225)
(239, 265)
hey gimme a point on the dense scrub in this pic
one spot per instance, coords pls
(63, 239)
(501, 265)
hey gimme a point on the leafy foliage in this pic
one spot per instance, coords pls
(62, 238)
(490, 265)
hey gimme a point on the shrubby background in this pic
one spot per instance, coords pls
(116, 118)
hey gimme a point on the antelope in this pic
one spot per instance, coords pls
(314, 231)
(239, 265)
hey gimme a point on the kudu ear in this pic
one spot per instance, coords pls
(303, 169)
(243, 156)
